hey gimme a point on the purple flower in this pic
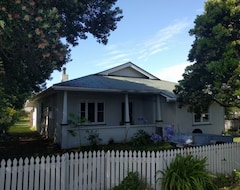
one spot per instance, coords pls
(168, 137)
(169, 130)
(156, 138)
(169, 133)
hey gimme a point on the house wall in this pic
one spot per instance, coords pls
(142, 106)
(128, 72)
(184, 120)
(121, 133)
(47, 115)
(168, 113)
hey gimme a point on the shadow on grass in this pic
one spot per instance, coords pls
(23, 141)
(22, 126)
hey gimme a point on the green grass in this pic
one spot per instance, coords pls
(236, 139)
(21, 126)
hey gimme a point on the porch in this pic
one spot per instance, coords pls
(77, 136)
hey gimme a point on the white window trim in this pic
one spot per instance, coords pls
(201, 122)
(95, 111)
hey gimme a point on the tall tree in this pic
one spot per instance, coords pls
(31, 33)
(214, 75)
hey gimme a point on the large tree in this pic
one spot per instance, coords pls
(214, 75)
(35, 36)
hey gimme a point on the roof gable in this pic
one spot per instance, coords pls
(128, 70)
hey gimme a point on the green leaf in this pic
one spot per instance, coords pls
(2, 24)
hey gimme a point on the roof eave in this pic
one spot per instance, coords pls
(68, 88)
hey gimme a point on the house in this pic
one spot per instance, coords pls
(116, 103)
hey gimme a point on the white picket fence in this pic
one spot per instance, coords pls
(104, 170)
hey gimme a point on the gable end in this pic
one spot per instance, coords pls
(128, 70)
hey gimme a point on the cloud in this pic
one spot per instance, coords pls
(159, 42)
(129, 50)
(172, 73)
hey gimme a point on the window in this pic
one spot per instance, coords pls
(93, 112)
(100, 112)
(199, 118)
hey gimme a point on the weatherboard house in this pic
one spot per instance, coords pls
(116, 104)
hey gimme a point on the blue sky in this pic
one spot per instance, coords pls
(153, 35)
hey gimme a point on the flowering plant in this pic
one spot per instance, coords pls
(156, 138)
(169, 133)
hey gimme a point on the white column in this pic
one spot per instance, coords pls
(127, 120)
(159, 111)
(64, 116)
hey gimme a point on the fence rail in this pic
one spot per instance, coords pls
(104, 170)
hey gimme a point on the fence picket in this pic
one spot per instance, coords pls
(125, 164)
(52, 173)
(80, 170)
(148, 167)
(31, 173)
(139, 163)
(76, 171)
(8, 175)
(117, 169)
(14, 174)
(64, 171)
(121, 166)
(2, 174)
(143, 164)
(102, 177)
(36, 176)
(42, 173)
(47, 174)
(89, 170)
(58, 166)
(19, 175)
(153, 169)
(25, 173)
(85, 169)
(104, 170)
(159, 168)
(71, 171)
(94, 170)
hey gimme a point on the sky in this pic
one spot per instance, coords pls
(153, 34)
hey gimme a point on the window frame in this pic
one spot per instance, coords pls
(97, 118)
(202, 120)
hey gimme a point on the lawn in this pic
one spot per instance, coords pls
(22, 126)
(23, 141)
(236, 139)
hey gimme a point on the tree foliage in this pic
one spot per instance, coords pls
(214, 75)
(31, 34)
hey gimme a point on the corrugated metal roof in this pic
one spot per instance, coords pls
(125, 84)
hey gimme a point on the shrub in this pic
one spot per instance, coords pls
(187, 173)
(156, 138)
(8, 116)
(141, 138)
(132, 182)
(226, 180)
(93, 137)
